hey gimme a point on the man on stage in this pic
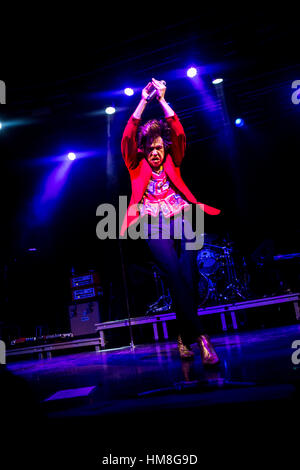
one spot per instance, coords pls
(160, 200)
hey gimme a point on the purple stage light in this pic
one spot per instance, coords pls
(71, 156)
(128, 91)
(191, 72)
(51, 188)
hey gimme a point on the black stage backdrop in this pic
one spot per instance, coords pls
(61, 70)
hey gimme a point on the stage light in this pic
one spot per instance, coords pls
(191, 72)
(0, 126)
(239, 122)
(128, 91)
(216, 81)
(71, 156)
(110, 110)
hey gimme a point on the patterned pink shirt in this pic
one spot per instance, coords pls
(161, 197)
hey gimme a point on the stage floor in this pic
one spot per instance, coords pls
(121, 392)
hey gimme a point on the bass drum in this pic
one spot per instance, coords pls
(206, 290)
(207, 261)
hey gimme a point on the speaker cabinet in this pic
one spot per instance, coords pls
(83, 317)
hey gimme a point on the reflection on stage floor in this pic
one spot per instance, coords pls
(258, 364)
(128, 401)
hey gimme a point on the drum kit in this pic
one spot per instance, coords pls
(223, 277)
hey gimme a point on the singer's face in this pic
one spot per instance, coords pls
(155, 152)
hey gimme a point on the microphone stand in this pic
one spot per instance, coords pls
(132, 346)
(111, 180)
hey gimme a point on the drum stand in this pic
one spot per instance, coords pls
(234, 287)
(164, 302)
(207, 290)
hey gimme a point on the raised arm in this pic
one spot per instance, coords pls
(178, 139)
(177, 131)
(128, 144)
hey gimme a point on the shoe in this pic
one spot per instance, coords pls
(208, 354)
(184, 351)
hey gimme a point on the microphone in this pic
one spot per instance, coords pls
(153, 91)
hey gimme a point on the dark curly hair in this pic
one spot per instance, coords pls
(152, 129)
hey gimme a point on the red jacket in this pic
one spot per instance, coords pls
(140, 170)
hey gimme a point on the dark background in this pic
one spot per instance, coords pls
(62, 68)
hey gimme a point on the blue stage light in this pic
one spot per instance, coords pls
(191, 72)
(217, 81)
(239, 122)
(71, 156)
(0, 126)
(128, 91)
(110, 110)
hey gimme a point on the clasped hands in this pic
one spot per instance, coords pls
(158, 85)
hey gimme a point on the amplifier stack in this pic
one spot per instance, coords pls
(84, 311)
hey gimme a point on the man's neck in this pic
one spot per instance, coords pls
(158, 170)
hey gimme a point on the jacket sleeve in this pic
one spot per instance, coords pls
(178, 139)
(129, 145)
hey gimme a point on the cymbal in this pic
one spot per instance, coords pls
(209, 237)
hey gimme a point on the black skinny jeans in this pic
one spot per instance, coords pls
(180, 267)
